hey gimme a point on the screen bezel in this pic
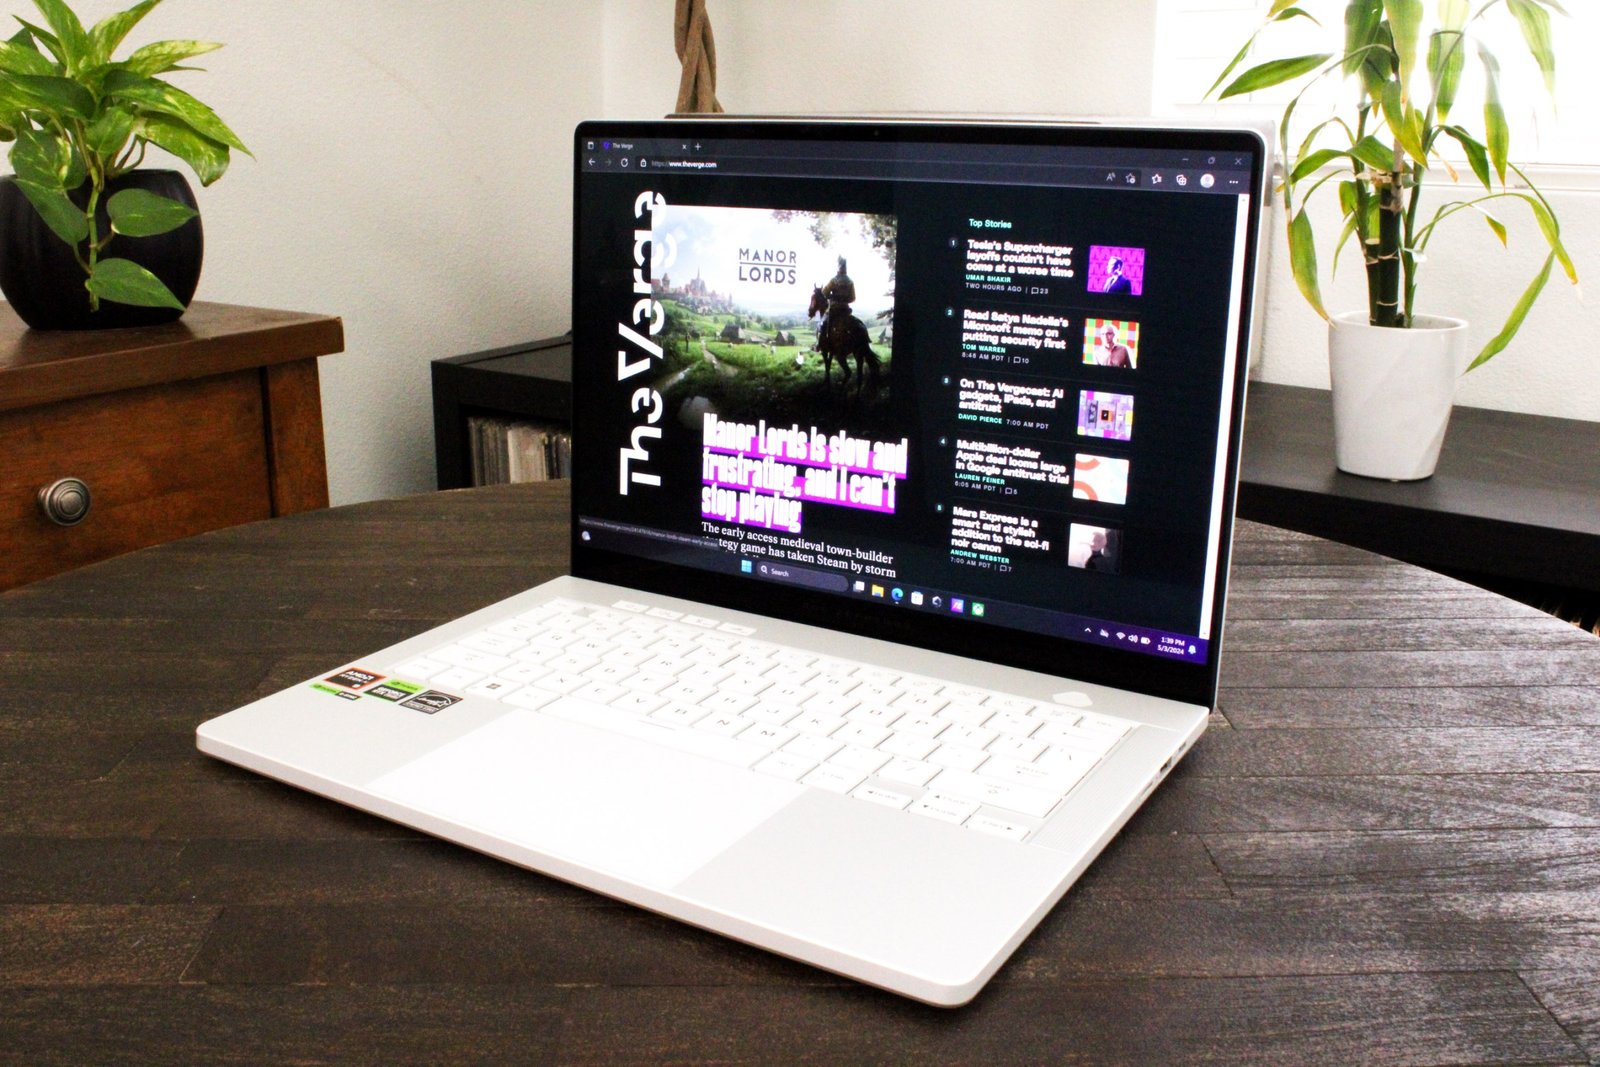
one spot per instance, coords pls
(1061, 657)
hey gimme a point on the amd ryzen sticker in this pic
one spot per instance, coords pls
(394, 690)
(355, 678)
(430, 702)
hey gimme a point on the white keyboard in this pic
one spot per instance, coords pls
(993, 762)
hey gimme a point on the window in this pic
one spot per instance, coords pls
(1195, 39)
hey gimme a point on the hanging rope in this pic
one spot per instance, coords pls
(691, 34)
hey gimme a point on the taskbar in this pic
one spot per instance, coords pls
(704, 552)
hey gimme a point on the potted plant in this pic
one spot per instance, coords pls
(87, 240)
(1393, 368)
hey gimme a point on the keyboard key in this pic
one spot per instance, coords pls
(812, 747)
(562, 681)
(1012, 722)
(723, 725)
(864, 734)
(599, 692)
(491, 687)
(907, 771)
(1019, 798)
(455, 678)
(992, 824)
(857, 758)
(679, 714)
(530, 697)
(943, 808)
(875, 675)
(877, 714)
(966, 714)
(817, 725)
(1016, 748)
(787, 765)
(726, 701)
(922, 724)
(911, 746)
(422, 668)
(833, 778)
(776, 714)
(879, 795)
(636, 702)
(488, 641)
(1053, 779)
(958, 756)
(919, 703)
(470, 658)
(766, 735)
(523, 672)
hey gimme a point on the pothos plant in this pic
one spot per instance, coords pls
(80, 119)
(1389, 139)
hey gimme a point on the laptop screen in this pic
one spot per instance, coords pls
(971, 387)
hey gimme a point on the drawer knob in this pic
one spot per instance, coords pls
(65, 502)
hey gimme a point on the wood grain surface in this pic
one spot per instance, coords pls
(1385, 850)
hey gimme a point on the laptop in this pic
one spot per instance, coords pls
(904, 468)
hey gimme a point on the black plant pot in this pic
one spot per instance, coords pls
(44, 283)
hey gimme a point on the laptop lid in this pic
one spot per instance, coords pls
(975, 388)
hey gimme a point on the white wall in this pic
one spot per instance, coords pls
(412, 175)
(412, 171)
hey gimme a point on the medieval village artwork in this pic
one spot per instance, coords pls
(779, 315)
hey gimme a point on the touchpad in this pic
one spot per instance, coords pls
(605, 801)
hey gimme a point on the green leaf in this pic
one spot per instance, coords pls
(1349, 198)
(110, 31)
(1362, 19)
(1499, 341)
(1344, 238)
(164, 56)
(125, 282)
(43, 37)
(60, 97)
(1495, 224)
(137, 213)
(1274, 72)
(1303, 260)
(1446, 58)
(1552, 234)
(1477, 155)
(18, 58)
(1535, 23)
(167, 99)
(1497, 134)
(107, 135)
(41, 158)
(65, 219)
(208, 159)
(1374, 153)
(1405, 24)
(1315, 161)
(74, 41)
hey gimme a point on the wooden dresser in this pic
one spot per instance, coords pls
(207, 422)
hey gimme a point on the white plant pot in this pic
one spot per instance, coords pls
(1392, 393)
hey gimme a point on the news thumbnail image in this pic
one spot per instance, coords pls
(1116, 270)
(785, 316)
(1094, 548)
(1111, 343)
(1108, 415)
(1100, 478)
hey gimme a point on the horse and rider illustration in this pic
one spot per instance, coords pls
(841, 335)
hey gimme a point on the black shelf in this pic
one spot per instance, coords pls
(1514, 505)
(532, 381)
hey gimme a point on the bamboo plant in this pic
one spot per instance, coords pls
(1405, 76)
(80, 119)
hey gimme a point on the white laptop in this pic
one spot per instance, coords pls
(904, 470)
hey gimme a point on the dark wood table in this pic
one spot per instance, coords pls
(1386, 849)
